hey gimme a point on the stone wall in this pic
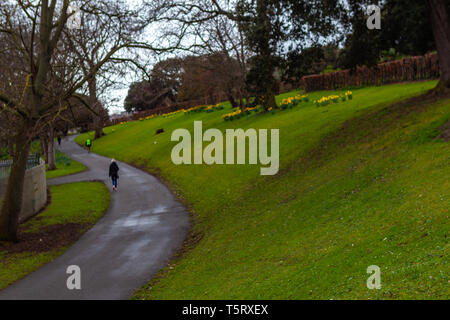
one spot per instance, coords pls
(34, 192)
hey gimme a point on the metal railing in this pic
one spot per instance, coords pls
(5, 165)
(34, 160)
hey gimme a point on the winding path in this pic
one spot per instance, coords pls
(141, 231)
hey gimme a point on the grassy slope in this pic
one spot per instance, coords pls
(374, 191)
(69, 205)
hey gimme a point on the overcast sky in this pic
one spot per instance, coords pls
(120, 94)
(152, 34)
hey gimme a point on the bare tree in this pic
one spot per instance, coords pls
(211, 28)
(92, 41)
(221, 38)
(42, 84)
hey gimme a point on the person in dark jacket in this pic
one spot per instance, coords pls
(114, 173)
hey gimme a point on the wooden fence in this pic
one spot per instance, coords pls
(407, 69)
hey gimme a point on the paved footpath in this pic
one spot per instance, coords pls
(142, 229)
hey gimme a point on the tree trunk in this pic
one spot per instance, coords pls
(44, 145)
(441, 31)
(211, 97)
(51, 150)
(11, 147)
(229, 93)
(95, 105)
(269, 100)
(12, 202)
(241, 102)
(98, 127)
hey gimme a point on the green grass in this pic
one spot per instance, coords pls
(64, 166)
(360, 183)
(71, 203)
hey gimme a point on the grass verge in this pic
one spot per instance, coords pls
(46, 236)
(64, 166)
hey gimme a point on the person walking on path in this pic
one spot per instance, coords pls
(59, 140)
(88, 144)
(114, 173)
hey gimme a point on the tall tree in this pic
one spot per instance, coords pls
(225, 46)
(33, 32)
(265, 29)
(146, 95)
(158, 90)
(441, 29)
(38, 50)
(362, 46)
(406, 27)
(411, 27)
(91, 41)
(276, 28)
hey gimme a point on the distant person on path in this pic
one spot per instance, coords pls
(59, 140)
(114, 173)
(88, 144)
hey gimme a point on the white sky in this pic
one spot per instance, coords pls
(121, 94)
